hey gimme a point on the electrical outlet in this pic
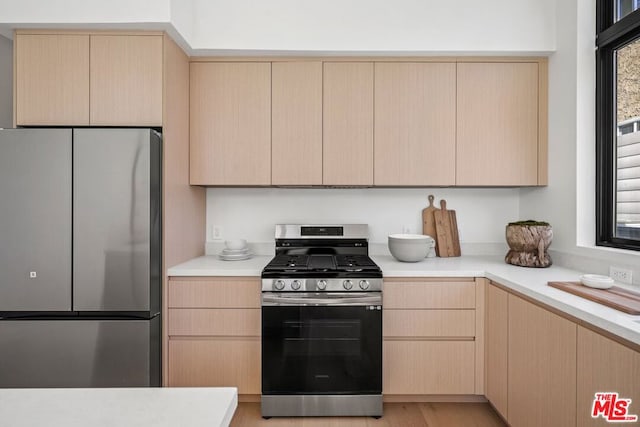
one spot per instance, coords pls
(622, 275)
(216, 232)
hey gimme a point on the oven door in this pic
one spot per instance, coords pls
(321, 343)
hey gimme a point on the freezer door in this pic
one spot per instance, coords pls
(116, 220)
(35, 220)
(80, 353)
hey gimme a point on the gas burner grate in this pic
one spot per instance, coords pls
(355, 262)
(289, 262)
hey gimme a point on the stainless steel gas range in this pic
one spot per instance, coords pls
(322, 324)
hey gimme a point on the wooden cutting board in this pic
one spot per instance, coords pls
(428, 221)
(614, 297)
(447, 241)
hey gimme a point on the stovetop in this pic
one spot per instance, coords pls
(322, 258)
(321, 266)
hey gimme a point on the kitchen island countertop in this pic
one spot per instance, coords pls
(122, 407)
(529, 282)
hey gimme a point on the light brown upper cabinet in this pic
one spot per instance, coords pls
(498, 138)
(126, 80)
(88, 79)
(415, 124)
(230, 123)
(347, 123)
(296, 150)
(52, 79)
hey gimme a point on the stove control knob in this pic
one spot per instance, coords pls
(322, 285)
(364, 284)
(295, 285)
(279, 285)
(348, 284)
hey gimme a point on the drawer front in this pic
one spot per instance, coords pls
(215, 363)
(429, 323)
(428, 367)
(228, 292)
(412, 294)
(214, 322)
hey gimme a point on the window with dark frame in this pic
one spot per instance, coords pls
(618, 124)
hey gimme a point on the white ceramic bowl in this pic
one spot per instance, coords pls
(596, 281)
(409, 247)
(235, 244)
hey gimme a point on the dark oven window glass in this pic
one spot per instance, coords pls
(321, 350)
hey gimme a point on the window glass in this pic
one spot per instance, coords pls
(627, 146)
(625, 7)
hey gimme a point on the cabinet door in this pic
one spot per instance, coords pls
(496, 348)
(215, 362)
(347, 123)
(605, 366)
(230, 123)
(52, 79)
(497, 124)
(297, 123)
(415, 124)
(126, 80)
(409, 293)
(428, 367)
(542, 367)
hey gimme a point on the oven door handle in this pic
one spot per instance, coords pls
(272, 299)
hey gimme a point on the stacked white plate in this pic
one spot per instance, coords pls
(235, 254)
(596, 281)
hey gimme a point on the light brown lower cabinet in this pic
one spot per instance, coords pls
(605, 366)
(430, 338)
(496, 352)
(213, 333)
(215, 362)
(428, 367)
(541, 367)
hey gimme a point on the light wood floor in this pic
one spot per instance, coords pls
(395, 415)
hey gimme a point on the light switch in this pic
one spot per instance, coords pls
(33, 275)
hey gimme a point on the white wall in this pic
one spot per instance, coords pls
(433, 26)
(84, 11)
(557, 202)
(6, 83)
(83, 14)
(252, 213)
(568, 203)
(247, 26)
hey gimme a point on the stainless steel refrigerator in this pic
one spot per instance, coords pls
(80, 257)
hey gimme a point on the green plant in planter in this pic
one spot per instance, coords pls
(529, 222)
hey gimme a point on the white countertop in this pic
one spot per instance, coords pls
(531, 282)
(122, 407)
(211, 265)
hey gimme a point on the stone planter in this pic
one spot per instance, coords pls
(528, 243)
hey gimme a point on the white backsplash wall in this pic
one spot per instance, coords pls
(251, 213)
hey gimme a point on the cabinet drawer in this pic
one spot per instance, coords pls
(214, 322)
(215, 363)
(228, 292)
(440, 293)
(428, 367)
(429, 323)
